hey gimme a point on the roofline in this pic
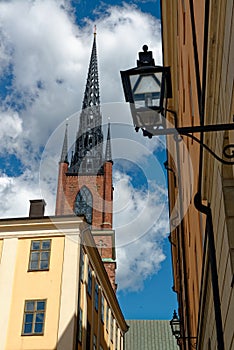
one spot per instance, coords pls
(22, 218)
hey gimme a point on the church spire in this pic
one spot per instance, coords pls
(108, 156)
(88, 155)
(64, 155)
(91, 95)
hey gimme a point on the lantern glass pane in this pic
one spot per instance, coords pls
(177, 327)
(148, 119)
(146, 89)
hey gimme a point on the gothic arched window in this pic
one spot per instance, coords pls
(84, 204)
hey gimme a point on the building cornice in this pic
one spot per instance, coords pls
(48, 225)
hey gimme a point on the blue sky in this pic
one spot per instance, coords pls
(43, 68)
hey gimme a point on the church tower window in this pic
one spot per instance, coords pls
(84, 204)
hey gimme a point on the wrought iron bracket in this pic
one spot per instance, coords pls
(189, 131)
(193, 345)
(211, 128)
(226, 155)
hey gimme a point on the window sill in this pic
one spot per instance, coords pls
(32, 334)
(37, 270)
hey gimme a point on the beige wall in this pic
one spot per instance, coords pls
(35, 285)
(69, 293)
(1, 246)
(7, 273)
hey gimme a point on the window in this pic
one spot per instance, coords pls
(102, 309)
(88, 335)
(116, 337)
(107, 318)
(89, 165)
(34, 317)
(232, 265)
(40, 255)
(96, 296)
(94, 342)
(80, 326)
(84, 204)
(82, 266)
(89, 281)
(111, 327)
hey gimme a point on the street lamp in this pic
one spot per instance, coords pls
(175, 325)
(147, 88)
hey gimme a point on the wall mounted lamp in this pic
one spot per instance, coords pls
(147, 88)
(176, 326)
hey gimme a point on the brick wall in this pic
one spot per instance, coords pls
(101, 189)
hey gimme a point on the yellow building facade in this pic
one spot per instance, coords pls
(55, 292)
(198, 45)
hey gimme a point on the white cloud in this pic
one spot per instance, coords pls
(10, 131)
(15, 193)
(141, 221)
(137, 262)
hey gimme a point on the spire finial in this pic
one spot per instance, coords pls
(94, 29)
(108, 156)
(64, 156)
(91, 95)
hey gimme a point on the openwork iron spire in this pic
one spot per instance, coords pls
(88, 156)
(64, 155)
(91, 95)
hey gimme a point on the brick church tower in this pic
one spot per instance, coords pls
(85, 182)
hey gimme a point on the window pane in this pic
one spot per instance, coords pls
(89, 281)
(40, 318)
(44, 265)
(45, 255)
(33, 265)
(80, 325)
(38, 328)
(82, 266)
(28, 318)
(29, 305)
(27, 328)
(40, 305)
(96, 296)
(46, 245)
(102, 309)
(35, 245)
(34, 256)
